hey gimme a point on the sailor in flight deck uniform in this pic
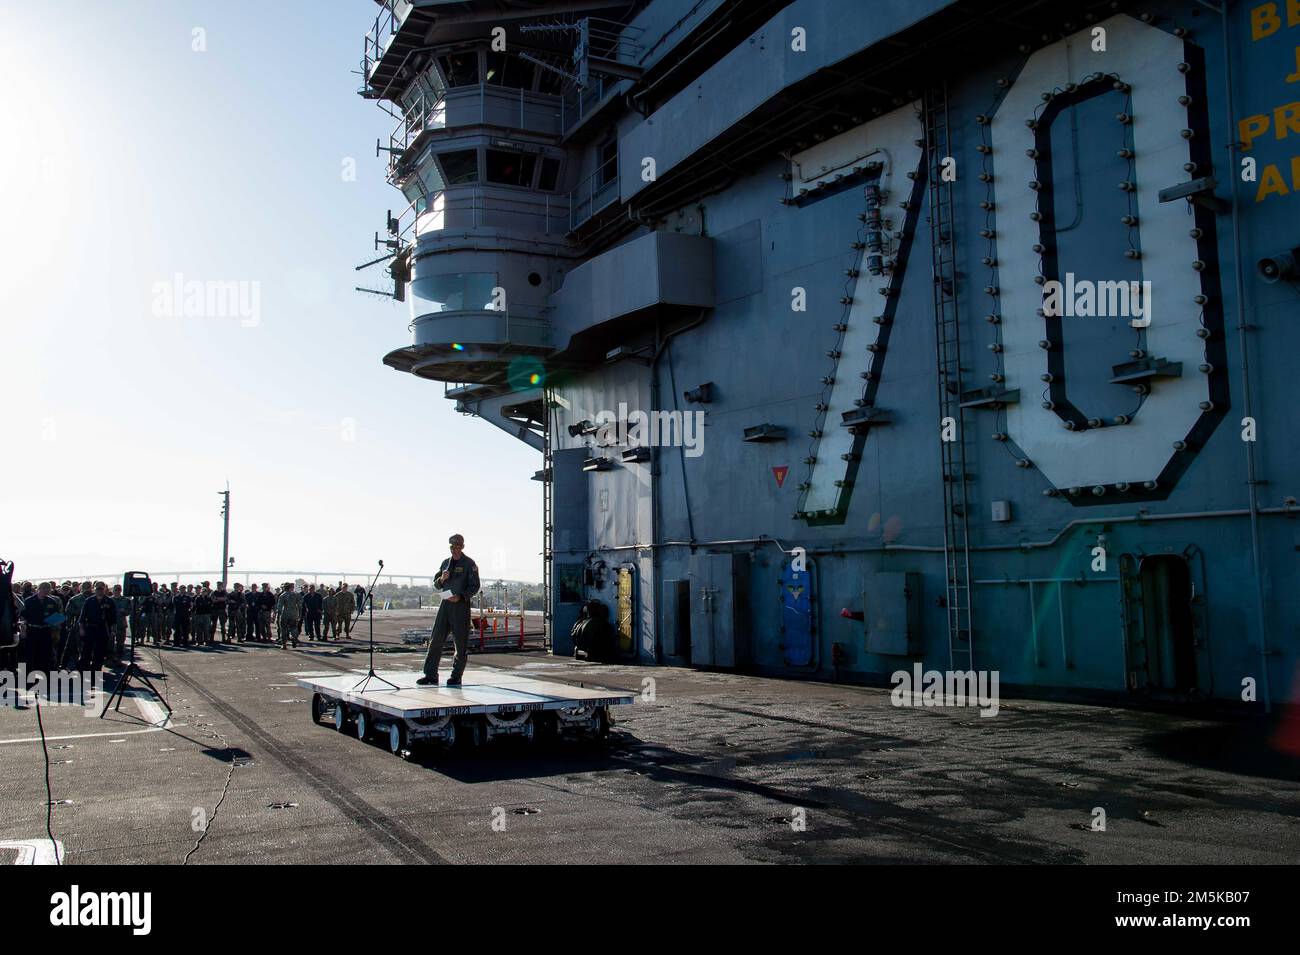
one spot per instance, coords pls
(458, 574)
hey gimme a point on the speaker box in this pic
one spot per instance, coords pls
(136, 583)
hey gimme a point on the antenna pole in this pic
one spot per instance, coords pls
(225, 533)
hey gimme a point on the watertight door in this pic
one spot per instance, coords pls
(795, 594)
(702, 607)
(626, 610)
(1168, 622)
(1135, 644)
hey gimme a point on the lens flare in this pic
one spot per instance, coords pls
(526, 372)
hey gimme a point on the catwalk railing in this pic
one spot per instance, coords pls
(387, 23)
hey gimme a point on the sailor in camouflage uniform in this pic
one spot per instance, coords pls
(203, 610)
(71, 648)
(122, 605)
(288, 608)
(163, 611)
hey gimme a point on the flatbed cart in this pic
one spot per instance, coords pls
(489, 703)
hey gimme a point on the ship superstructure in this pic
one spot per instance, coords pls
(859, 335)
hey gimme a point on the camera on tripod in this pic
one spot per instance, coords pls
(135, 584)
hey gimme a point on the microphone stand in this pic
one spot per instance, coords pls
(370, 673)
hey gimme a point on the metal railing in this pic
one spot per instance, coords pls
(578, 101)
(609, 40)
(530, 330)
(387, 23)
(469, 106)
(471, 208)
(399, 229)
(424, 113)
(508, 329)
(594, 193)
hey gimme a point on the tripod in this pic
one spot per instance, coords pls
(370, 673)
(132, 671)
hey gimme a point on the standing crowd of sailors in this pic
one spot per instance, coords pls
(71, 626)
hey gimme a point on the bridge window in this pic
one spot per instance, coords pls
(510, 71)
(550, 82)
(607, 171)
(460, 69)
(550, 174)
(452, 292)
(459, 167)
(421, 94)
(510, 168)
(413, 191)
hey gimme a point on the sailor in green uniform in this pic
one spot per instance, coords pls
(71, 649)
(288, 608)
(458, 578)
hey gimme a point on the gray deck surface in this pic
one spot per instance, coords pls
(706, 767)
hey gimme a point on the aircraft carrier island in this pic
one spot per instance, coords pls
(865, 337)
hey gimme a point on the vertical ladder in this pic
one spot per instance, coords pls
(943, 244)
(548, 523)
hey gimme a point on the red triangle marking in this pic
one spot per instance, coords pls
(779, 474)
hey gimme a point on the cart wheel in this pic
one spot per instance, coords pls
(546, 728)
(318, 707)
(396, 737)
(530, 731)
(363, 725)
(340, 716)
(601, 718)
(470, 733)
(449, 734)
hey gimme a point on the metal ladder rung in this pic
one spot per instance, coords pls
(943, 254)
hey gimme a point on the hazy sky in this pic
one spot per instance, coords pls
(129, 158)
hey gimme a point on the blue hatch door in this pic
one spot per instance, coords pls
(797, 625)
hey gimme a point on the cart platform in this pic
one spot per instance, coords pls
(488, 703)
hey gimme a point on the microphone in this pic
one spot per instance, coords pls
(381, 563)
